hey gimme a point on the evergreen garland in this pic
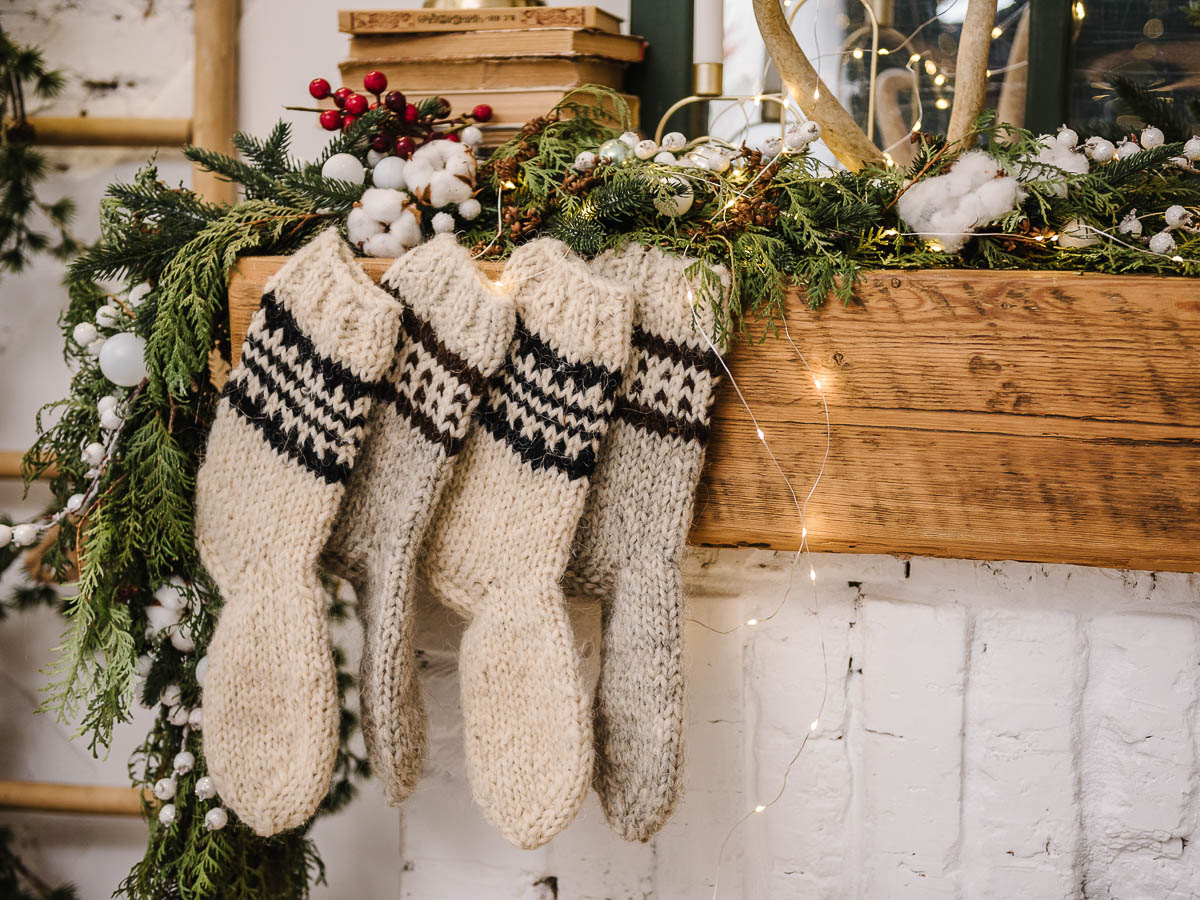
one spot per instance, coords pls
(772, 223)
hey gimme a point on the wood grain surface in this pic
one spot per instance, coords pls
(1041, 416)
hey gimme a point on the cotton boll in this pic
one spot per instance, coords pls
(433, 154)
(418, 175)
(1076, 234)
(461, 166)
(973, 168)
(361, 227)
(446, 189)
(385, 245)
(389, 173)
(162, 618)
(383, 204)
(443, 223)
(407, 229)
(1152, 137)
(947, 208)
(469, 209)
(138, 294)
(997, 198)
(1162, 243)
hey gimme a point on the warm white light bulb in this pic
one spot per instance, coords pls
(884, 51)
(761, 436)
(857, 54)
(916, 57)
(759, 808)
(812, 574)
(752, 622)
(803, 532)
(940, 79)
(817, 382)
(996, 32)
(815, 724)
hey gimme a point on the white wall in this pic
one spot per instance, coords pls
(990, 730)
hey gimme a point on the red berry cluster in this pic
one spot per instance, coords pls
(408, 125)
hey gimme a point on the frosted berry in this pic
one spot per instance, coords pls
(405, 146)
(411, 113)
(356, 104)
(394, 100)
(375, 82)
(340, 95)
(482, 113)
(380, 143)
(319, 88)
(348, 120)
(331, 120)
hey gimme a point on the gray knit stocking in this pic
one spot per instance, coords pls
(282, 445)
(454, 334)
(632, 536)
(502, 536)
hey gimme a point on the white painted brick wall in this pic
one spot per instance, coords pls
(990, 731)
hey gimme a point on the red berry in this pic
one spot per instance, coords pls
(319, 88)
(374, 106)
(482, 113)
(375, 82)
(331, 120)
(348, 120)
(411, 113)
(405, 146)
(394, 100)
(340, 95)
(356, 104)
(380, 143)
(452, 137)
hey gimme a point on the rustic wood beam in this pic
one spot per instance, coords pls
(215, 100)
(100, 131)
(44, 796)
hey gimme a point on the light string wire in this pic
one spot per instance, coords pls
(803, 551)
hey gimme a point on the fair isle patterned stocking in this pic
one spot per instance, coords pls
(501, 539)
(632, 536)
(454, 334)
(281, 448)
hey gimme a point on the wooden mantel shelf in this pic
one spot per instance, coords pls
(1040, 416)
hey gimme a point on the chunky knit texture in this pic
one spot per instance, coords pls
(501, 540)
(632, 536)
(454, 333)
(282, 445)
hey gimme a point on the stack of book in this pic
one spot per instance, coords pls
(520, 61)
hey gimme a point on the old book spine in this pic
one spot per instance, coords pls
(394, 21)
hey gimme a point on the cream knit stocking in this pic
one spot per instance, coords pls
(632, 536)
(454, 334)
(282, 446)
(501, 539)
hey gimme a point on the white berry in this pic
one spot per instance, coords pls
(205, 788)
(97, 345)
(1177, 217)
(630, 139)
(182, 640)
(442, 223)
(161, 618)
(108, 316)
(389, 173)
(6, 535)
(24, 535)
(171, 696)
(344, 167)
(1131, 224)
(142, 667)
(216, 819)
(585, 161)
(645, 149)
(800, 134)
(674, 141)
(1126, 149)
(93, 454)
(107, 403)
(84, 333)
(74, 503)
(1191, 150)
(201, 670)
(164, 788)
(196, 719)
(718, 161)
(138, 294)
(1067, 137)
(172, 594)
(184, 762)
(166, 815)
(666, 157)
(469, 209)
(771, 147)
(1099, 149)
(1152, 137)
(1162, 243)
(472, 135)
(110, 421)
(676, 205)
(179, 716)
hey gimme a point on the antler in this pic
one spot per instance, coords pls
(841, 133)
(970, 68)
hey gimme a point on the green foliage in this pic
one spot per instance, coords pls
(17, 882)
(1176, 117)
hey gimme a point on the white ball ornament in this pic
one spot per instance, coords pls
(1177, 217)
(1162, 243)
(171, 696)
(6, 535)
(166, 815)
(25, 535)
(161, 618)
(1152, 137)
(645, 149)
(123, 359)
(196, 719)
(183, 763)
(1126, 149)
(182, 640)
(201, 670)
(470, 209)
(165, 788)
(1067, 137)
(108, 316)
(138, 294)
(472, 135)
(677, 205)
(215, 819)
(179, 716)
(389, 173)
(142, 667)
(585, 161)
(93, 454)
(443, 223)
(1099, 150)
(1191, 150)
(84, 333)
(615, 152)
(630, 139)
(344, 167)
(74, 503)
(374, 158)
(110, 421)
(666, 157)
(206, 789)
(674, 141)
